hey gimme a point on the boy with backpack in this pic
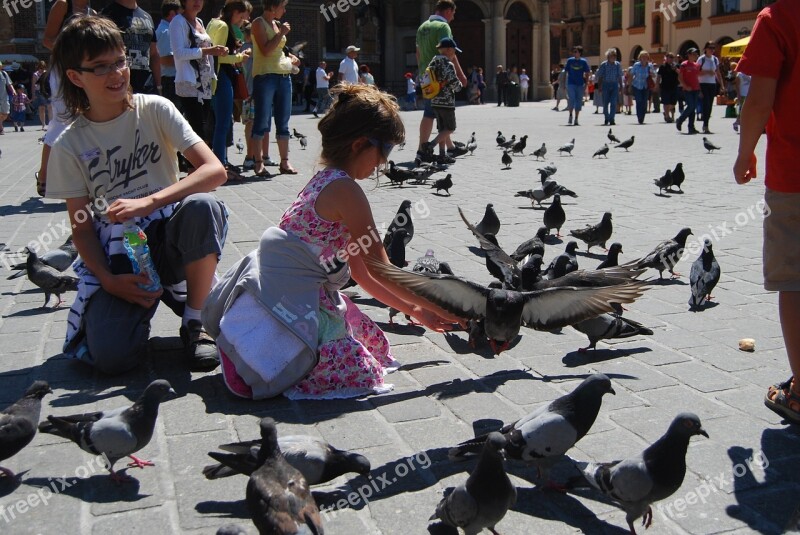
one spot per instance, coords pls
(440, 84)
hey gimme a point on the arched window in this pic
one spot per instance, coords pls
(616, 15)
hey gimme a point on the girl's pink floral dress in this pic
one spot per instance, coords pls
(354, 353)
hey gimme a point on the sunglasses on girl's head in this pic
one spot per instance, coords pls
(386, 148)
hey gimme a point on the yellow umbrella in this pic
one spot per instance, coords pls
(735, 49)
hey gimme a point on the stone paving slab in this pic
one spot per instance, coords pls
(445, 392)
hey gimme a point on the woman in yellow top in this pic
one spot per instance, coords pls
(221, 33)
(272, 83)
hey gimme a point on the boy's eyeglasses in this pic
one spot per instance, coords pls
(103, 70)
(386, 148)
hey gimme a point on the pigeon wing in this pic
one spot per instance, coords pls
(630, 481)
(458, 509)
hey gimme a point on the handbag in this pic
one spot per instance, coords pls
(239, 83)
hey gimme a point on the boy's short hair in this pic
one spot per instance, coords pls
(168, 6)
(444, 5)
(578, 48)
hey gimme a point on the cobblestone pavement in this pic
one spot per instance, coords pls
(445, 393)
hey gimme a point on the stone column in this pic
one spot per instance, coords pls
(497, 52)
(542, 87)
(390, 48)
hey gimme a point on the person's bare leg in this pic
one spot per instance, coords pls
(283, 150)
(43, 165)
(248, 133)
(425, 129)
(199, 276)
(42, 115)
(789, 310)
(265, 147)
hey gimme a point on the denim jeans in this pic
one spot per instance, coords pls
(690, 109)
(323, 100)
(223, 111)
(610, 95)
(272, 94)
(575, 96)
(641, 103)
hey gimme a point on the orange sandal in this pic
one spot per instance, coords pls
(782, 400)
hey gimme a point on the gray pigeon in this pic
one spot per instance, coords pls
(710, 147)
(485, 498)
(318, 461)
(608, 327)
(611, 137)
(602, 151)
(444, 184)
(304, 142)
(278, 496)
(429, 264)
(519, 146)
(490, 224)
(398, 175)
(18, 422)
(498, 262)
(48, 279)
(564, 263)
(653, 475)
(555, 217)
(666, 254)
(664, 182)
(530, 247)
(678, 177)
(510, 143)
(500, 139)
(597, 234)
(567, 147)
(117, 433)
(628, 143)
(547, 433)
(540, 152)
(60, 259)
(506, 159)
(612, 258)
(402, 220)
(704, 276)
(505, 311)
(240, 145)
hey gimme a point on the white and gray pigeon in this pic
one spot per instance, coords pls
(567, 147)
(60, 259)
(304, 142)
(116, 433)
(49, 279)
(602, 151)
(18, 422)
(710, 147)
(666, 254)
(609, 327)
(655, 474)
(547, 433)
(506, 311)
(472, 144)
(485, 498)
(430, 264)
(318, 461)
(240, 145)
(704, 276)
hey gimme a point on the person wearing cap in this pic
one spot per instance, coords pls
(411, 92)
(5, 101)
(690, 82)
(348, 67)
(444, 103)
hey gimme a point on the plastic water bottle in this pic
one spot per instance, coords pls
(135, 241)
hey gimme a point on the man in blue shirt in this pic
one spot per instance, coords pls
(577, 74)
(169, 8)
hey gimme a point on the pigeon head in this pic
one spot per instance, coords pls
(686, 424)
(707, 247)
(535, 261)
(405, 205)
(269, 438)
(597, 384)
(616, 248)
(607, 217)
(682, 235)
(495, 442)
(541, 233)
(572, 247)
(429, 252)
(679, 166)
(557, 198)
(355, 462)
(157, 391)
(38, 390)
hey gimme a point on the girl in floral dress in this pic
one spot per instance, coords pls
(333, 219)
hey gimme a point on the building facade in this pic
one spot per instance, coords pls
(575, 22)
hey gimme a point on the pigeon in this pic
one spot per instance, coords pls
(472, 145)
(611, 137)
(304, 142)
(704, 276)
(278, 496)
(666, 254)
(117, 433)
(547, 433)
(654, 474)
(510, 143)
(429, 264)
(397, 256)
(490, 224)
(60, 259)
(554, 216)
(500, 138)
(550, 169)
(485, 498)
(564, 263)
(477, 332)
(49, 279)
(628, 143)
(444, 184)
(318, 461)
(665, 182)
(607, 327)
(398, 175)
(582, 278)
(506, 160)
(678, 177)
(612, 258)
(540, 152)
(240, 145)
(567, 147)
(602, 151)
(500, 265)
(18, 422)
(597, 234)
(505, 311)
(471, 139)
(402, 220)
(297, 134)
(710, 147)
(519, 146)
(530, 247)
(531, 273)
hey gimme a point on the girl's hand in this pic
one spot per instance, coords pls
(123, 209)
(127, 287)
(433, 321)
(284, 28)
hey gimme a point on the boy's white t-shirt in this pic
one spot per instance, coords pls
(130, 157)
(411, 87)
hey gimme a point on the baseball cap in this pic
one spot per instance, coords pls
(352, 48)
(693, 51)
(448, 42)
